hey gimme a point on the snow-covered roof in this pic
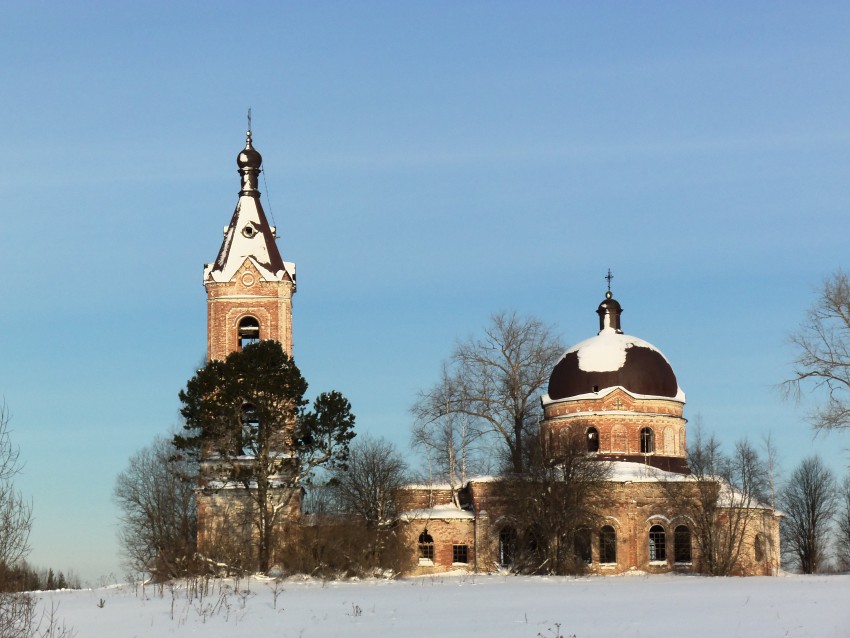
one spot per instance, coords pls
(249, 236)
(629, 472)
(438, 512)
(603, 392)
(427, 486)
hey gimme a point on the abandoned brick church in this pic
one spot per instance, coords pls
(617, 392)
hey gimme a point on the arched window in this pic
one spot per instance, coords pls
(248, 331)
(682, 544)
(582, 546)
(608, 545)
(647, 441)
(657, 544)
(758, 547)
(426, 548)
(507, 545)
(592, 440)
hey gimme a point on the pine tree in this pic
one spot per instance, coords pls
(249, 412)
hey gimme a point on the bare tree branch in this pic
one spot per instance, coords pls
(822, 361)
(159, 518)
(369, 485)
(809, 500)
(15, 512)
(495, 380)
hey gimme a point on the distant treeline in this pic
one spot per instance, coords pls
(24, 577)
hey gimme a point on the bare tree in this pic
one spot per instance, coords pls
(15, 512)
(495, 380)
(723, 499)
(771, 457)
(554, 508)
(16, 609)
(808, 500)
(822, 361)
(449, 437)
(842, 520)
(159, 521)
(376, 470)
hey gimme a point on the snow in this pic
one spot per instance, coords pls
(628, 472)
(469, 605)
(606, 352)
(680, 397)
(240, 246)
(438, 512)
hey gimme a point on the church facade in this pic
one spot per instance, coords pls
(617, 393)
(619, 397)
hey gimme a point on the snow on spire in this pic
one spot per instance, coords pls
(249, 235)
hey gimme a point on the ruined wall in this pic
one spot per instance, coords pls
(631, 508)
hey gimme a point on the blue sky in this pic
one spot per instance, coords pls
(426, 164)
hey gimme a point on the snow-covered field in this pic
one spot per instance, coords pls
(463, 605)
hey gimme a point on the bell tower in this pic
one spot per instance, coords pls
(249, 286)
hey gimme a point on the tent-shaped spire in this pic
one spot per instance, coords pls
(249, 236)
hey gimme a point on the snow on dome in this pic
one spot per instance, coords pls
(606, 351)
(612, 359)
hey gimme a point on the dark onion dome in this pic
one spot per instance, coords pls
(612, 359)
(249, 157)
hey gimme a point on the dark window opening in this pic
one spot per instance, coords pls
(582, 547)
(608, 545)
(426, 546)
(460, 553)
(647, 441)
(592, 440)
(682, 544)
(758, 546)
(248, 331)
(657, 544)
(596, 388)
(507, 546)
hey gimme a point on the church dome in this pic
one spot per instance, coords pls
(249, 157)
(612, 359)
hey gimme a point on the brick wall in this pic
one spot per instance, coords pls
(270, 302)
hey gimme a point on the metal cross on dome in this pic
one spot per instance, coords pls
(249, 128)
(609, 277)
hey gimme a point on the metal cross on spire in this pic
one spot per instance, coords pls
(609, 277)
(249, 118)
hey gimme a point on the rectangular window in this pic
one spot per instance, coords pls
(426, 551)
(460, 554)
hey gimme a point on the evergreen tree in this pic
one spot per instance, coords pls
(249, 413)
